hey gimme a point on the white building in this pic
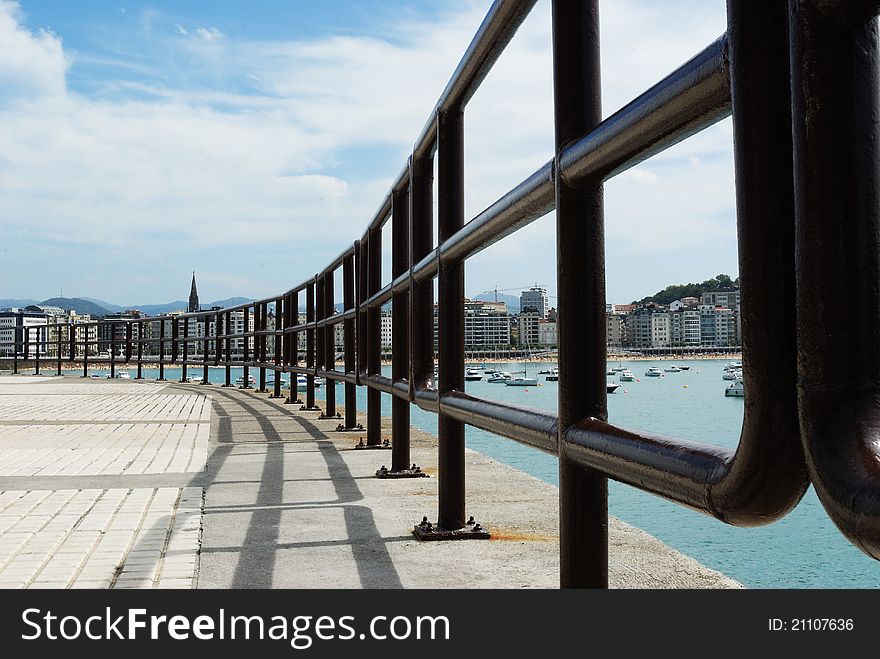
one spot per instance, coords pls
(547, 335)
(32, 322)
(535, 299)
(660, 330)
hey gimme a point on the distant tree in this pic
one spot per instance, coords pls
(675, 292)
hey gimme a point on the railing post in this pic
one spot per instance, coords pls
(39, 335)
(292, 351)
(185, 356)
(59, 344)
(128, 335)
(580, 239)
(140, 349)
(450, 300)
(246, 349)
(205, 348)
(27, 341)
(85, 351)
(421, 294)
(349, 331)
(329, 346)
(162, 344)
(260, 342)
(228, 343)
(835, 80)
(16, 344)
(400, 331)
(321, 332)
(112, 327)
(218, 332)
(71, 337)
(310, 346)
(374, 351)
(277, 343)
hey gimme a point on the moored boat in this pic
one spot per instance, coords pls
(653, 372)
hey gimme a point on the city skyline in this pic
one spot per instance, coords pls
(148, 140)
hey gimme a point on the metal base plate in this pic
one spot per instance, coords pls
(426, 532)
(274, 396)
(342, 428)
(363, 446)
(412, 472)
(293, 402)
(310, 409)
(329, 416)
(206, 384)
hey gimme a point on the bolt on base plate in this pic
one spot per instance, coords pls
(426, 531)
(412, 472)
(342, 428)
(363, 446)
(329, 416)
(314, 408)
(296, 401)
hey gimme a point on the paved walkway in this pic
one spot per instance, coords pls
(142, 484)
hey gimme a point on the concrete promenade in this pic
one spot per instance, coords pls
(139, 484)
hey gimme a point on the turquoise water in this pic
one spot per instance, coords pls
(803, 550)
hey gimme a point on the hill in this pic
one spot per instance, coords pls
(677, 291)
(77, 304)
(15, 302)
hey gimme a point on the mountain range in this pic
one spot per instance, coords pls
(95, 307)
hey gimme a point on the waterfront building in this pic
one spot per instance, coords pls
(26, 320)
(660, 329)
(684, 326)
(535, 299)
(615, 330)
(529, 328)
(547, 333)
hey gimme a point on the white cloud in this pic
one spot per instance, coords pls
(250, 157)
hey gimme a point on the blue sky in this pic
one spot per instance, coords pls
(252, 141)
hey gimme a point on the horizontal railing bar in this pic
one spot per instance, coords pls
(691, 98)
(535, 428)
(338, 375)
(379, 298)
(427, 267)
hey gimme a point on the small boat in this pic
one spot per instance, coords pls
(123, 375)
(609, 371)
(473, 375)
(619, 368)
(195, 379)
(611, 387)
(270, 381)
(736, 389)
(732, 374)
(522, 382)
(499, 376)
(549, 371)
(734, 364)
(684, 368)
(653, 372)
(251, 380)
(626, 376)
(672, 368)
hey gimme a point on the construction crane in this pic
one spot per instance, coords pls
(497, 290)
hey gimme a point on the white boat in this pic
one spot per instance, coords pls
(473, 375)
(609, 371)
(684, 368)
(672, 368)
(619, 368)
(732, 374)
(735, 389)
(499, 376)
(522, 381)
(123, 375)
(626, 376)
(653, 372)
(302, 382)
(549, 371)
(270, 381)
(195, 379)
(611, 387)
(251, 380)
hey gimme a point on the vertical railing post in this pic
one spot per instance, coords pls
(292, 351)
(185, 354)
(140, 349)
(310, 346)
(206, 321)
(59, 344)
(246, 350)
(349, 332)
(71, 337)
(374, 350)
(27, 341)
(129, 324)
(329, 346)
(112, 327)
(260, 325)
(421, 294)
(218, 332)
(450, 301)
(16, 344)
(85, 350)
(39, 335)
(227, 342)
(580, 240)
(162, 344)
(278, 342)
(321, 334)
(400, 412)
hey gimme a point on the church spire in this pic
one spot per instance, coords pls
(193, 296)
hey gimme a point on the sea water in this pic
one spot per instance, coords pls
(802, 550)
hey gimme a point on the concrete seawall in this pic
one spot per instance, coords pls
(139, 484)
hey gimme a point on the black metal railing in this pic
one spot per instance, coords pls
(801, 82)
